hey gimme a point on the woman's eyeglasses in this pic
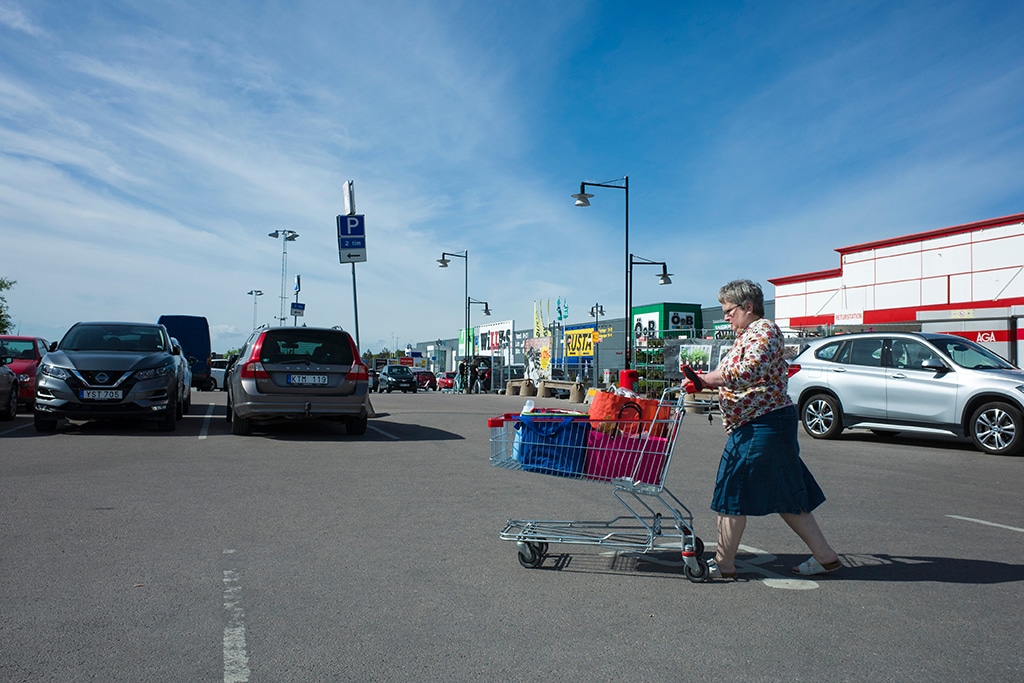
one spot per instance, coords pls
(729, 312)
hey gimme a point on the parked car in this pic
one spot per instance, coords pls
(109, 370)
(297, 373)
(8, 390)
(909, 382)
(194, 333)
(217, 368)
(396, 377)
(446, 380)
(184, 379)
(25, 354)
(425, 379)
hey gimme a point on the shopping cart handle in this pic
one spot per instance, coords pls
(698, 383)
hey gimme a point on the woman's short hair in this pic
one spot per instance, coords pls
(741, 293)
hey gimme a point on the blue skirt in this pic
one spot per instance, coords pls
(761, 472)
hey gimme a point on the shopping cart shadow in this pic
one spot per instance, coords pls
(666, 563)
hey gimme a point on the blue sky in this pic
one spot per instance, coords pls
(147, 148)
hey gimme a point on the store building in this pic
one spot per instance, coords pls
(965, 280)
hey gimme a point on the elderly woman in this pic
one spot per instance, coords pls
(761, 471)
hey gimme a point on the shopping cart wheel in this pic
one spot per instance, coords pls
(699, 575)
(530, 555)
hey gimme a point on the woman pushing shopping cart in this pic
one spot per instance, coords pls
(625, 442)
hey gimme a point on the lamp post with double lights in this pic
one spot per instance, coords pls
(443, 263)
(254, 293)
(597, 310)
(583, 199)
(286, 237)
(663, 279)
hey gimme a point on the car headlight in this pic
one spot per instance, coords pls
(54, 371)
(153, 373)
(24, 377)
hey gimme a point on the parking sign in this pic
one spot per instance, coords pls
(351, 239)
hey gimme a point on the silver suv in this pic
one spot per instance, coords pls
(909, 382)
(109, 370)
(289, 373)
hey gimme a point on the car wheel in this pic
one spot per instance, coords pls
(179, 409)
(229, 413)
(11, 409)
(241, 426)
(213, 384)
(822, 417)
(169, 420)
(44, 423)
(996, 428)
(356, 426)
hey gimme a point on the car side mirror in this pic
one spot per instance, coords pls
(53, 347)
(934, 364)
(6, 360)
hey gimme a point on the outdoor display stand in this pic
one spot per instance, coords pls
(630, 455)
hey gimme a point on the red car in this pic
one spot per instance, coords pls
(425, 379)
(446, 380)
(26, 353)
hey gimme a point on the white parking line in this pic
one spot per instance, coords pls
(11, 431)
(981, 521)
(383, 433)
(236, 659)
(206, 422)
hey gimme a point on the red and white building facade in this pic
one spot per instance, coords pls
(966, 280)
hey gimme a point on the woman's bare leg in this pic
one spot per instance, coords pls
(806, 527)
(730, 530)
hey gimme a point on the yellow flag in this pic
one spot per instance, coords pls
(538, 324)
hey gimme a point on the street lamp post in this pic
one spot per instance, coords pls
(287, 236)
(254, 293)
(583, 199)
(443, 263)
(597, 310)
(663, 279)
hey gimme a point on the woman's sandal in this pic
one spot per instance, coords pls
(811, 567)
(715, 573)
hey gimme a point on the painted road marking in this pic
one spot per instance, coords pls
(204, 430)
(746, 566)
(383, 433)
(981, 521)
(236, 660)
(11, 431)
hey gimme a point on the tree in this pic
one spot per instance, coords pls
(5, 317)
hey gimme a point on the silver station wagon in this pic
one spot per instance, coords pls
(298, 373)
(909, 382)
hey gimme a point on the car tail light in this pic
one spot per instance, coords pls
(357, 373)
(253, 368)
(793, 369)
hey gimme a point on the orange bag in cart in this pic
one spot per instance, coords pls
(611, 413)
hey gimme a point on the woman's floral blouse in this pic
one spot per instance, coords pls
(756, 375)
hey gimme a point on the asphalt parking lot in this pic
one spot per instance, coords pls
(303, 554)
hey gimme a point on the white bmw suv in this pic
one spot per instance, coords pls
(909, 382)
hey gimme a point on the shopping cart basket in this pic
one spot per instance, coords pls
(632, 456)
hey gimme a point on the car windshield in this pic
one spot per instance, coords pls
(399, 371)
(17, 348)
(132, 338)
(300, 345)
(967, 354)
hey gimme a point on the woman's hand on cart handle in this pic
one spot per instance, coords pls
(693, 384)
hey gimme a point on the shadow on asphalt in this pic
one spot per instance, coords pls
(877, 567)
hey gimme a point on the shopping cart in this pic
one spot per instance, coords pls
(633, 456)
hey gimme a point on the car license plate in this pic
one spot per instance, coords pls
(307, 380)
(100, 394)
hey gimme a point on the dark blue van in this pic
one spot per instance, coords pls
(193, 332)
